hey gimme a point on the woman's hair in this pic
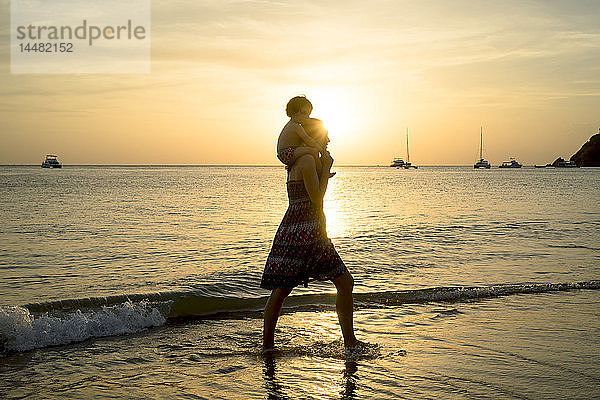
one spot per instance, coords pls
(315, 129)
(296, 104)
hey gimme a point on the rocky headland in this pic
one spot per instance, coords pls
(589, 154)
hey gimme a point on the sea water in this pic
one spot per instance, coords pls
(143, 282)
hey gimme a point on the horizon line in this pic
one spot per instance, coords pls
(231, 165)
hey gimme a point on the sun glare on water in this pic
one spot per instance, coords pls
(337, 219)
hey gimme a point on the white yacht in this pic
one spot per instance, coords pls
(51, 162)
(481, 163)
(397, 162)
(511, 164)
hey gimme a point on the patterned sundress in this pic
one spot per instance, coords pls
(301, 250)
(286, 156)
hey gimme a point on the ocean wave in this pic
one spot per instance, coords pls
(73, 320)
(21, 330)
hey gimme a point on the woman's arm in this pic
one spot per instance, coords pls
(326, 163)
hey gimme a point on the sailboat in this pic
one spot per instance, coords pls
(407, 164)
(481, 163)
(398, 162)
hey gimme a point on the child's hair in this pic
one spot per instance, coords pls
(296, 104)
(315, 129)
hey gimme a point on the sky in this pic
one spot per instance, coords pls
(527, 72)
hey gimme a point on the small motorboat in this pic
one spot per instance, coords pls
(51, 162)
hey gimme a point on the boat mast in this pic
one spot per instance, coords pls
(481, 143)
(407, 153)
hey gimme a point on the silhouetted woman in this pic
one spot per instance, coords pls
(301, 250)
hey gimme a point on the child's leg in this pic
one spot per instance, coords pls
(303, 150)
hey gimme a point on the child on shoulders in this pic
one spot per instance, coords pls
(294, 141)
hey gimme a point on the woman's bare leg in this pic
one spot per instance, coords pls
(344, 305)
(272, 310)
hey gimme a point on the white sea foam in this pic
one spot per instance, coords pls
(21, 330)
(74, 320)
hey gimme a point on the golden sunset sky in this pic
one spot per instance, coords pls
(222, 72)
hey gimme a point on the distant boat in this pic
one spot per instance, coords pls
(481, 163)
(510, 164)
(398, 162)
(566, 164)
(407, 164)
(51, 162)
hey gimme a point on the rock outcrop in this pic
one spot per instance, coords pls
(589, 154)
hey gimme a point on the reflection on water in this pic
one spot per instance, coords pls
(276, 388)
(350, 380)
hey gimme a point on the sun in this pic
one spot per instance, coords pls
(335, 107)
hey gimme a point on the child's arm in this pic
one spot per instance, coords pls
(307, 139)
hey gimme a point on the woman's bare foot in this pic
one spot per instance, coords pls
(361, 349)
(356, 343)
